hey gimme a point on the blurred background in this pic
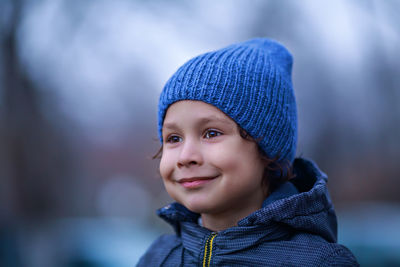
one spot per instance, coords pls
(79, 85)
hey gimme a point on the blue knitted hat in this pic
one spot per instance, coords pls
(248, 81)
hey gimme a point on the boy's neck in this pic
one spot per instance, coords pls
(224, 220)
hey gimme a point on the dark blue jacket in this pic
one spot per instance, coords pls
(295, 227)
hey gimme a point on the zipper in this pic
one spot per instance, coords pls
(208, 249)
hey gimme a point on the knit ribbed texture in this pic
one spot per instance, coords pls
(248, 81)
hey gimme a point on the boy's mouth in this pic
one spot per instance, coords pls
(195, 182)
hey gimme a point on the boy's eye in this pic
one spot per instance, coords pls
(174, 139)
(211, 133)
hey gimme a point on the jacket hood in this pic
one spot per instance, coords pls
(301, 205)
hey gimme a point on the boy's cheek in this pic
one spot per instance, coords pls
(167, 165)
(164, 167)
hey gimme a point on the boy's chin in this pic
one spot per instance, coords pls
(199, 203)
(201, 208)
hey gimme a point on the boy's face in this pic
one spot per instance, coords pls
(206, 165)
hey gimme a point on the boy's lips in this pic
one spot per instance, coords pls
(194, 182)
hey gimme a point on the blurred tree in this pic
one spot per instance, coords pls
(34, 163)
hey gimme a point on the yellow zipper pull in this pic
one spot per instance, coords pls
(208, 249)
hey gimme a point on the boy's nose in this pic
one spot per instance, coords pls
(190, 154)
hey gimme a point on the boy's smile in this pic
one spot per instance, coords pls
(207, 166)
(195, 182)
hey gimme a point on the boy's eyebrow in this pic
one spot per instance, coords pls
(170, 125)
(214, 118)
(173, 125)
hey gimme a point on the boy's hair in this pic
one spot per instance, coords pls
(251, 83)
(275, 172)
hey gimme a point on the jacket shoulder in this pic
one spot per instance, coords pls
(160, 250)
(340, 256)
(313, 250)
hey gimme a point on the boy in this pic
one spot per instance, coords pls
(228, 128)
